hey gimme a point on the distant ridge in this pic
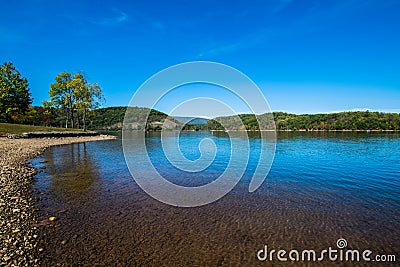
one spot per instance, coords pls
(341, 121)
(112, 118)
(191, 120)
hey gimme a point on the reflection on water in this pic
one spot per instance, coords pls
(73, 174)
(322, 186)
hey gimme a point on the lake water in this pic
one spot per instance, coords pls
(321, 187)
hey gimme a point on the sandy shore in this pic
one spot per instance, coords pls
(18, 235)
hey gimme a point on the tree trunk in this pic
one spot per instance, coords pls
(72, 118)
(77, 120)
(84, 119)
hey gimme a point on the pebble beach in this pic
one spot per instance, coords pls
(19, 238)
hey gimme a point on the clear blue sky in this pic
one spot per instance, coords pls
(307, 56)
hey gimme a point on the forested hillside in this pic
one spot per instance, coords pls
(112, 118)
(360, 120)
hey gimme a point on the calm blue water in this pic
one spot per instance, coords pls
(321, 187)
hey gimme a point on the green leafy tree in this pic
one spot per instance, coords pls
(28, 117)
(88, 96)
(47, 114)
(62, 97)
(75, 97)
(15, 97)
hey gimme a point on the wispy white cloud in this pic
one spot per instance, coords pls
(156, 24)
(247, 41)
(244, 42)
(117, 18)
(315, 18)
(147, 21)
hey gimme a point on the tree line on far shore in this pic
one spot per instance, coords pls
(355, 120)
(75, 103)
(111, 118)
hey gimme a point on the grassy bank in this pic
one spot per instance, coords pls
(9, 128)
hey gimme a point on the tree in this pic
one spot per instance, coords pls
(15, 97)
(61, 96)
(46, 114)
(28, 117)
(75, 97)
(88, 96)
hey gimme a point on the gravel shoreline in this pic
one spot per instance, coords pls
(19, 238)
